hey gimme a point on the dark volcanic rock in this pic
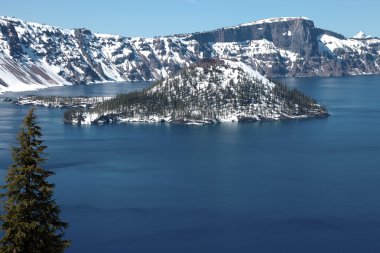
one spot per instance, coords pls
(302, 39)
(10, 34)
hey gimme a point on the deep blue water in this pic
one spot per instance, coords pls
(291, 186)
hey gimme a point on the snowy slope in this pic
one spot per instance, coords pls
(361, 36)
(36, 56)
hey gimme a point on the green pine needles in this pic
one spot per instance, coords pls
(30, 220)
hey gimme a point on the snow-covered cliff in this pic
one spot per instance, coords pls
(36, 56)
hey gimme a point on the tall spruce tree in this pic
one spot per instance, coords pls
(30, 222)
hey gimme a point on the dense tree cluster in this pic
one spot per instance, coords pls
(295, 97)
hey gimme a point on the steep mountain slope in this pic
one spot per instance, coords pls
(34, 55)
(209, 91)
(293, 47)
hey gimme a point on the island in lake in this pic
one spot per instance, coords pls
(209, 91)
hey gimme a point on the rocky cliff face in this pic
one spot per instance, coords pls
(34, 55)
(293, 47)
(293, 34)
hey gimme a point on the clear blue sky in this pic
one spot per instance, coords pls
(164, 17)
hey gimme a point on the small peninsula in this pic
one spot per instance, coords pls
(57, 101)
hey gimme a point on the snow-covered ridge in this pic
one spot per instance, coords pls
(35, 56)
(273, 20)
(209, 91)
(361, 36)
(228, 72)
(28, 24)
(333, 43)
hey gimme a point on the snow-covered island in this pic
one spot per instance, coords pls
(57, 101)
(209, 91)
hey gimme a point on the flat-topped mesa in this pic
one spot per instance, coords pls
(295, 34)
(209, 91)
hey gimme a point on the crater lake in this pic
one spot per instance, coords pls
(283, 186)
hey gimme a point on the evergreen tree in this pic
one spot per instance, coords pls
(30, 222)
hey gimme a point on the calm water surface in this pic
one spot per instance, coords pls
(292, 186)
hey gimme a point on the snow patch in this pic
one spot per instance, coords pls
(333, 43)
(271, 20)
(361, 36)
